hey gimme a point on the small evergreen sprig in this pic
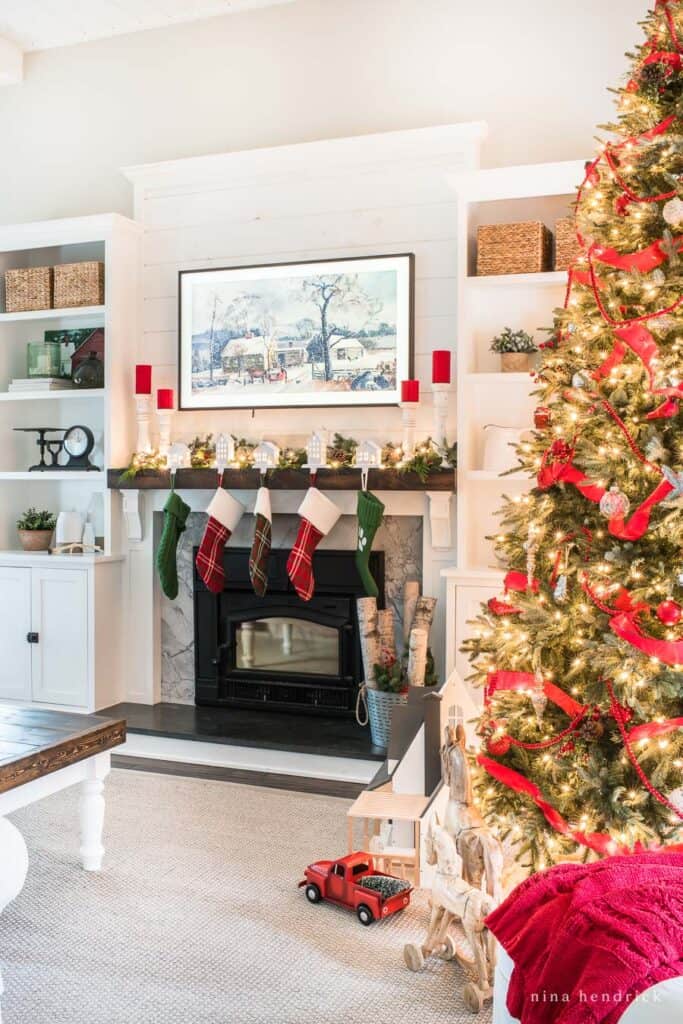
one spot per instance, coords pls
(34, 520)
(513, 341)
(391, 674)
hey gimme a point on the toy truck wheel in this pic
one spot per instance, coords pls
(364, 915)
(313, 893)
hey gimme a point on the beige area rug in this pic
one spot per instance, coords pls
(196, 918)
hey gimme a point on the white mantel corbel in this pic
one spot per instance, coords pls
(440, 519)
(131, 512)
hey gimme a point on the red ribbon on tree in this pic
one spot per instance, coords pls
(598, 841)
(640, 341)
(504, 680)
(519, 582)
(668, 651)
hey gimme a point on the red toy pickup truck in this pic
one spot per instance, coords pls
(353, 882)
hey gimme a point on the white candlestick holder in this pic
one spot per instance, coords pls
(441, 393)
(143, 410)
(409, 411)
(164, 416)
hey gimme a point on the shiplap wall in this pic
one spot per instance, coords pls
(389, 193)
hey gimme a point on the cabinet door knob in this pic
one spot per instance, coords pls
(32, 638)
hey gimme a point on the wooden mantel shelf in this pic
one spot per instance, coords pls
(442, 480)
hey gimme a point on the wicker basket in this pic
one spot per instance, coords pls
(79, 284)
(524, 248)
(567, 248)
(28, 288)
(380, 706)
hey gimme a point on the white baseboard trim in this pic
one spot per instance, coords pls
(256, 759)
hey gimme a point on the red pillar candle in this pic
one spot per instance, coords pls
(143, 379)
(441, 366)
(410, 391)
(165, 398)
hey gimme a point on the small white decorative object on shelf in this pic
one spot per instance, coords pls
(441, 392)
(316, 452)
(225, 452)
(143, 411)
(178, 457)
(368, 456)
(266, 456)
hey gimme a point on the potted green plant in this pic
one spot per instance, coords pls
(36, 529)
(515, 348)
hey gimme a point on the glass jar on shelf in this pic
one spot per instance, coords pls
(43, 359)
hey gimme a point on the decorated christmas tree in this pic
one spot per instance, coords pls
(582, 657)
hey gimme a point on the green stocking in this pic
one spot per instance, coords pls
(370, 512)
(175, 517)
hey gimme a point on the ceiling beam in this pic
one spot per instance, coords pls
(11, 62)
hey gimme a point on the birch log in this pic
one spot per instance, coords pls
(411, 593)
(387, 641)
(424, 614)
(369, 637)
(417, 656)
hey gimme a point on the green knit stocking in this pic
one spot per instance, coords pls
(370, 511)
(175, 517)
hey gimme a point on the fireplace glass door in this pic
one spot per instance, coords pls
(287, 645)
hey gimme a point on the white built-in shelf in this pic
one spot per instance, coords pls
(14, 556)
(546, 278)
(485, 474)
(97, 478)
(72, 313)
(66, 393)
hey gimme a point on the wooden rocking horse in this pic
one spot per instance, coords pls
(454, 899)
(481, 853)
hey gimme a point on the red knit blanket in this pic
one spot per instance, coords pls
(586, 939)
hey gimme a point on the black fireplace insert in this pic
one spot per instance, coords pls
(278, 651)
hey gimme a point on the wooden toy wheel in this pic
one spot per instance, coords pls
(447, 951)
(474, 997)
(413, 956)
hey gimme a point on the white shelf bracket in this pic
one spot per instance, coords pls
(440, 519)
(131, 512)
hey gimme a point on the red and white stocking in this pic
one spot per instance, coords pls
(225, 513)
(318, 516)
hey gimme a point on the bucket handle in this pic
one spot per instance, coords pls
(362, 703)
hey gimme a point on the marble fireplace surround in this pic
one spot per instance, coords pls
(417, 536)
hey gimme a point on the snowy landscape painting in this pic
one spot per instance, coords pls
(333, 332)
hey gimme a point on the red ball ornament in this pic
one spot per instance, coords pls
(498, 746)
(542, 417)
(669, 612)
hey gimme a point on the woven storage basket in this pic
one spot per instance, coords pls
(567, 248)
(380, 706)
(28, 288)
(79, 284)
(524, 248)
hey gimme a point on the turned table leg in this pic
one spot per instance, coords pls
(92, 812)
(13, 869)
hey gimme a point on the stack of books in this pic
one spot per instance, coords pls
(40, 384)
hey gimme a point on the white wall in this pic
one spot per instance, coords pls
(537, 71)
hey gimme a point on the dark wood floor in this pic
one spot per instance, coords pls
(251, 727)
(294, 783)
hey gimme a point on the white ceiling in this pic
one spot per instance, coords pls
(43, 24)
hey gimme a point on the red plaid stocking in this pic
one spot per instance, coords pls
(225, 513)
(318, 516)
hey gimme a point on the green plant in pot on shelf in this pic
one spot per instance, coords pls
(389, 688)
(35, 529)
(515, 349)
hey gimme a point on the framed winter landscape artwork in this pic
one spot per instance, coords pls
(318, 333)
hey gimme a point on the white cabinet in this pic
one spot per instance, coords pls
(15, 625)
(60, 622)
